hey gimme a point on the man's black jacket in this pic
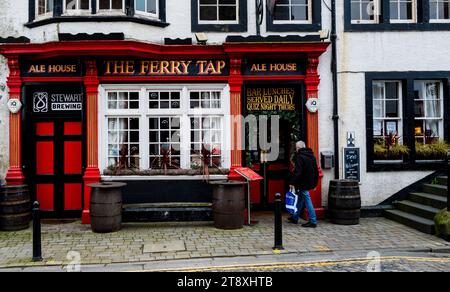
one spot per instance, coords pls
(306, 173)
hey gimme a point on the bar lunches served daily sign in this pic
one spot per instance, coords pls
(270, 99)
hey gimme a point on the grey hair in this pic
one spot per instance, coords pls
(300, 145)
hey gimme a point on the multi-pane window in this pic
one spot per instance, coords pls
(165, 142)
(170, 127)
(439, 10)
(146, 6)
(429, 120)
(123, 100)
(205, 99)
(164, 99)
(71, 5)
(364, 11)
(44, 7)
(403, 11)
(123, 142)
(206, 141)
(296, 11)
(387, 112)
(108, 5)
(218, 11)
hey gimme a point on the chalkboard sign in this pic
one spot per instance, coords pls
(352, 164)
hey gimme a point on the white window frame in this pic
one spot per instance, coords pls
(310, 15)
(376, 4)
(145, 113)
(442, 105)
(145, 13)
(110, 11)
(217, 9)
(383, 119)
(414, 12)
(438, 20)
(76, 11)
(45, 15)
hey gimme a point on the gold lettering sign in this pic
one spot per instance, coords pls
(273, 67)
(52, 68)
(161, 68)
(270, 99)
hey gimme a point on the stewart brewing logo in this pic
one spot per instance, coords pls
(40, 102)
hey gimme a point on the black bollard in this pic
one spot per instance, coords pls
(278, 224)
(37, 247)
(448, 182)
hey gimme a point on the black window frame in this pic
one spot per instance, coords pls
(408, 118)
(129, 16)
(242, 26)
(422, 16)
(315, 25)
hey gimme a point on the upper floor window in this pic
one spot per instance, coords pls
(218, 11)
(147, 7)
(403, 11)
(44, 8)
(293, 11)
(111, 5)
(74, 6)
(439, 10)
(365, 11)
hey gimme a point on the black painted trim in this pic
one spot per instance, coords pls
(316, 24)
(407, 79)
(272, 39)
(242, 26)
(96, 19)
(423, 20)
(14, 40)
(119, 36)
(31, 10)
(169, 41)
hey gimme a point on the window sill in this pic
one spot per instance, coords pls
(380, 27)
(95, 18)
(161, 177)
(403, 166)
(198, 27)
(275, 27)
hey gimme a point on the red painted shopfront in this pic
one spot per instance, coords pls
(82, 66)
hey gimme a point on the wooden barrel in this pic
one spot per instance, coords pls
(344, 202)
(15, 208)
(228, 204)
(106, 207)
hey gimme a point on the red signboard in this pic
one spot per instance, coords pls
(248, 174)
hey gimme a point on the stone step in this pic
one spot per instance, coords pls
(442, 180)
(416, 222)
(167, 212)
(431, 200)
(417, 209)
(438, 190)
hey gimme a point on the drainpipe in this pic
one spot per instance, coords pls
(335, 89)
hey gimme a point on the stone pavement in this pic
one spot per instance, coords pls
(139, 243)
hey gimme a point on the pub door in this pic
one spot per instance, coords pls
(55, 159)
(287, 102)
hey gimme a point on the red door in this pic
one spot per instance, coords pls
(56, 177)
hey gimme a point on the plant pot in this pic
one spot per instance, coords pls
(228, 204)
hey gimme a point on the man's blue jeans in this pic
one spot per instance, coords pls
(304, 199)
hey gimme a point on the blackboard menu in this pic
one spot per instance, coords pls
(352, 164)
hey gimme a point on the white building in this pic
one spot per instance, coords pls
(393, 80)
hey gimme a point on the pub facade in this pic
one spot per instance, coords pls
(157, 94)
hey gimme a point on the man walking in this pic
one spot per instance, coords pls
(305, 177)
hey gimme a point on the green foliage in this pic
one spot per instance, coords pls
(436, 150)
(396, 151)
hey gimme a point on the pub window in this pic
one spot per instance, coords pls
(439, 10)
(429, 118)
(111, 5)
(206, 141)
(403, 11)
(387, 120)
(365, 11)
(147, 7)
(123, 142)
(218, 11)
(44, 8)
(74, 6)
(293, 11)
(146, 128)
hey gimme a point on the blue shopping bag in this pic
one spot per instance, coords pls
(291, 203)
